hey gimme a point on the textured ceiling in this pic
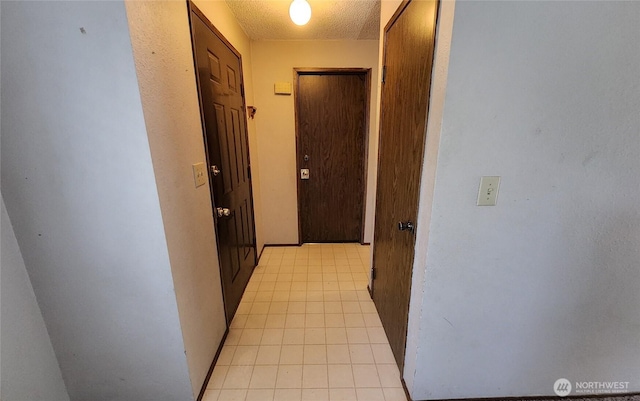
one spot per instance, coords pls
(330, 19)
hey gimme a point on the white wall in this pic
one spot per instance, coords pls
(427, 185)
(543, 285)
(80, 190)
(29, 366)
(274, 61)
(161, 41)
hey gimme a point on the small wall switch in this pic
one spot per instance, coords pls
(282, 88)
(199, 174)
(488, 193)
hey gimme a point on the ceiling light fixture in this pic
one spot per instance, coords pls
(300, 12)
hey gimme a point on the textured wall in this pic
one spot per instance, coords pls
(543, 285)
(80, 190)
(274, 61)
(427, 185)
(161, 41)
(29, 366)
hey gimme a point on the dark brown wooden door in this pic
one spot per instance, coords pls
(331, 116)
(222, 106)
(408, 59)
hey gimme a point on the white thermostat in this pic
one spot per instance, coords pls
(282, 88)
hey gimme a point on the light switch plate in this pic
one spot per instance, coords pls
(488, 193)
(199, 174)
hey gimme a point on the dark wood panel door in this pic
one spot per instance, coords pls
(331, 117)
(408, 58)
(219, 72)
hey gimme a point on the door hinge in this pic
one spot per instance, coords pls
(373, 273)
(384, 73)
(242, 90)
(249, 172)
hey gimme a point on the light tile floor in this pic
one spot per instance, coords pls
(306, 329)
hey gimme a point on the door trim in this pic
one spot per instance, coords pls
(393, 20)
(192, 10)
(372, 287)
(192, 7)
(395, 17)
(367, 87)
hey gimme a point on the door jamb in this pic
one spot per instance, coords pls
(191, 10)
(401, 8)
(387, 27)
(367, 83)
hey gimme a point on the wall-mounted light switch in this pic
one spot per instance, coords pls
(488, 193)
(199, 174)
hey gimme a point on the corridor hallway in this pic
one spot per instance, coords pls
(306, 329)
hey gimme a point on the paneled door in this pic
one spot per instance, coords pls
(331, 115)
(220, 86)
(408, 60)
